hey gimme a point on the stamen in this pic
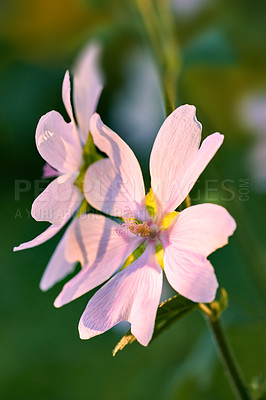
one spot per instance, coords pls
(139, 229)
(120, 231)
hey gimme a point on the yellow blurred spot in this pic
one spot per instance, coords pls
(133, 256)
(166, 222)
(128, 261)
(151, 204)
(44, 29)
(159, 255)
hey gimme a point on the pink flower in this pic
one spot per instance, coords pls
(61, 144)
(115, 184)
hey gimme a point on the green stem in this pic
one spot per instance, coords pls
(159, 28)
(225, 351)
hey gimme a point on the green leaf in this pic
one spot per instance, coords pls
(168, 312)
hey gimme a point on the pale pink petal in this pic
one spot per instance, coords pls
(66, 89)
(190, 274)
(58, 202)
(201, 229)
(174, 148)
(66, 95)
(58, 143)
(106, 190)
(58, 266)
(112, 183)
(93, 240)
(132, 295)
(190, 176)
(88, 86)
(43, 237)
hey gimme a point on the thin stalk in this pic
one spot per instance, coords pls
(158, 25)
(231, 367)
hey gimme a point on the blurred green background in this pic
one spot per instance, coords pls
(223, 62)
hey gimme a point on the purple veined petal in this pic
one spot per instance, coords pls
(58, 267)
(58, 202)
(202, 229)
(174, 148)
(93, 240)
(190, 274)
(42, 238)
(132, 295)
(117, 180)
(88, 85)
(58, 143)
(66, 89)
(106, 189)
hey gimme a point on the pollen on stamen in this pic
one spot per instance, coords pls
(142, 229)
(139, 229)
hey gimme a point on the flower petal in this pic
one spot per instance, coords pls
(132, 295)
(94, 242)
(190, 274)
(66, 96)
(58, 143)
(87, 87)
(106, 190)
(119, 178)
(201, 159)
(201, 229)
(43, 237)
(49, 172)
(58, 202)
(175, 146)
(58, 266)
(176, 161)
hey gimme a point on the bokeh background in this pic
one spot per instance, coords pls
(223, 61)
